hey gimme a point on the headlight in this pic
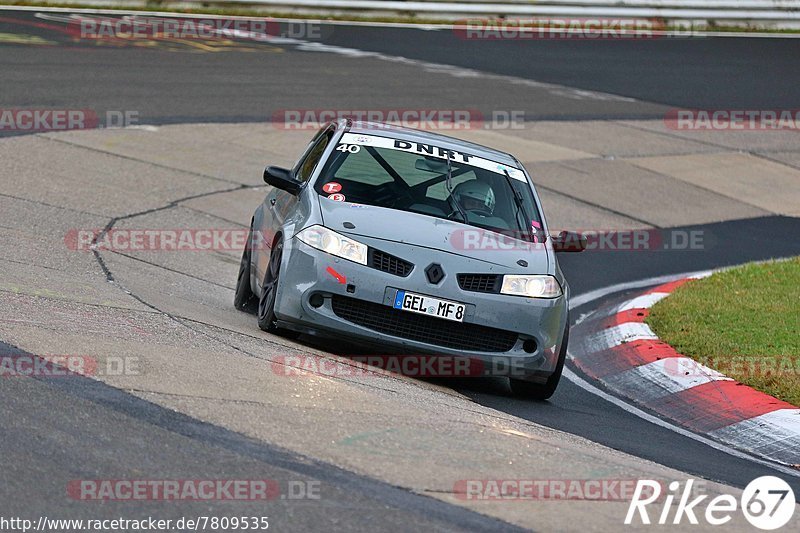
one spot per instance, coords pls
(531, 286)
(329, 241)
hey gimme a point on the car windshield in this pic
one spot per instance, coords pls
(416, 177)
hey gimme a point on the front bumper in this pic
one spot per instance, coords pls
(306, 277)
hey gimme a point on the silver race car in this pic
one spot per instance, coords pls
(412, 242)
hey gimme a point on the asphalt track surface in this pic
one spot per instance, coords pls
(675, 71)
(575, 411)
(113, 431)
(230, 86)
(659, 74)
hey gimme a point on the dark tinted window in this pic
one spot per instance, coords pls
(406, 181)
(306, 166)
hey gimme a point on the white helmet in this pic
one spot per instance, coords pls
(475, 195)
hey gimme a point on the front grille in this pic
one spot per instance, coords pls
(479, 282)
(389, 263)
(422, 328)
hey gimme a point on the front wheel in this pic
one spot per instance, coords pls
(543, 391)
(266, 302)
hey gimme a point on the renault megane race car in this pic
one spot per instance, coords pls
(415, 242)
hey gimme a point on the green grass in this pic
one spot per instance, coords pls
(744, 322)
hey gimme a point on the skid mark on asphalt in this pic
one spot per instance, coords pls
(276, 44)
(66, 32)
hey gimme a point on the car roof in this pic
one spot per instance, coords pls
(443, 141)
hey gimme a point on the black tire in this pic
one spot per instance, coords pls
(543, 391)
(266, 302)
(244, 299)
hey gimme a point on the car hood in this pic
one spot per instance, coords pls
(435, 233)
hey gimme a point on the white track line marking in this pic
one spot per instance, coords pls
(773, 434)
(375, 24)
(577, 301)
(644, 301)
(580, 382)
(596, 294)
(661, 378)
(357, 53)
(585, 298)
(626, 332)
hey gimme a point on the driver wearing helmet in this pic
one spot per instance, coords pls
(475, 195)
(477, 199)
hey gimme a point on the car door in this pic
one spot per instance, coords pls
(279, 204)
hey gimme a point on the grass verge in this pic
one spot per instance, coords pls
(744, 322)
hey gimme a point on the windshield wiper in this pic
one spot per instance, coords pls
(448, 182)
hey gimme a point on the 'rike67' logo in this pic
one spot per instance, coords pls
(767, 503)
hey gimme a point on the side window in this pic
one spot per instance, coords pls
(307, 165)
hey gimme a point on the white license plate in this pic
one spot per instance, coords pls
(425, 305)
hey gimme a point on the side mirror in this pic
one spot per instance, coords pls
(569, 241)
(282, 179)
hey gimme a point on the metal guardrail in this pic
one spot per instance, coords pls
(769, 14)
(687, 4)
(777, 12)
